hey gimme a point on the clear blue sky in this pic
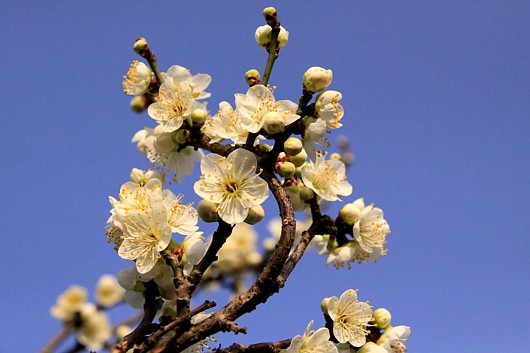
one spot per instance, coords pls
(437, 102)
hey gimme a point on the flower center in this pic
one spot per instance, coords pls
(231, 187)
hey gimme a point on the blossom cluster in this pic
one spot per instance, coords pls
(354, 328)
(246, 150)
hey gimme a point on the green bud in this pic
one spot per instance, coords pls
(349, 213)
(292, 146)
(138, 104)
(298, 172)
(273, 123)
(255, 214)
(198, 116)
(306, 194)
(207, 211)
(382, 318)
(287, 169)
(268, 11)
(182, 136)
(141, 46)
(138, 286)
(299, 159)
(324, 305)
(252, 76)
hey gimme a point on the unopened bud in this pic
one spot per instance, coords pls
(317, 79)
(141, 46)
(324, 305)
(263, 147)
(382, 318)
(287, 169)
(306, 194)
(268, 11)
(255, 214)
(182, 136)
(207, 211)
(292, 146)
(298, 172)
(273, 123)
(349, 213)
(299, 159)
(263, 36)
(198, 116)
(138, 104)
(252, 77)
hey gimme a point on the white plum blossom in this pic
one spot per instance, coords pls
(312, 342)
(350, 318)
(137, 79)
(69, 302)
(141, 177)
(232, 183)
(95, 329)
(226, 124)
(315, 130)
(174, 104)
(329, 109)
(194, 248)
(393, 339)
(108, 292)
(327, 178)
(140, 137)
(164, 151)
(257, 103)
(182, 218)
(147, 233)
(198, 83)
(370, 229)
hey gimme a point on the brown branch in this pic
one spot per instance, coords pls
(174, 324)
(266, 347)
(264, 287)
(56, 340)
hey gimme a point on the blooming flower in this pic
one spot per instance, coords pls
(182, 218)
(147, 233)
(315, 130)
(370, 229)
(350, 318)
(232, 183)
(95, 328)
(198, 83)
(194, 249)
(329, 109)
(108, 292)
(312, 342)
(257, 102)
(327, 178)
(70, 301)
(137, 79)
(393, 340)
(226, 124)
(173, 105)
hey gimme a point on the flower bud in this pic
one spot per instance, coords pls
(287, 169)
(292, 146)
(306, 194)
(263, 36)
(382, 318)
(268, 11)
(349, 213)
(273, 123)
(141, 46)
(252, 77)
(207, 211)
(324, 305)
(138, 104)
(298, 172)
(255, 214)
(182, 135)
(317, 79)
(299, 159)
(198, 116)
